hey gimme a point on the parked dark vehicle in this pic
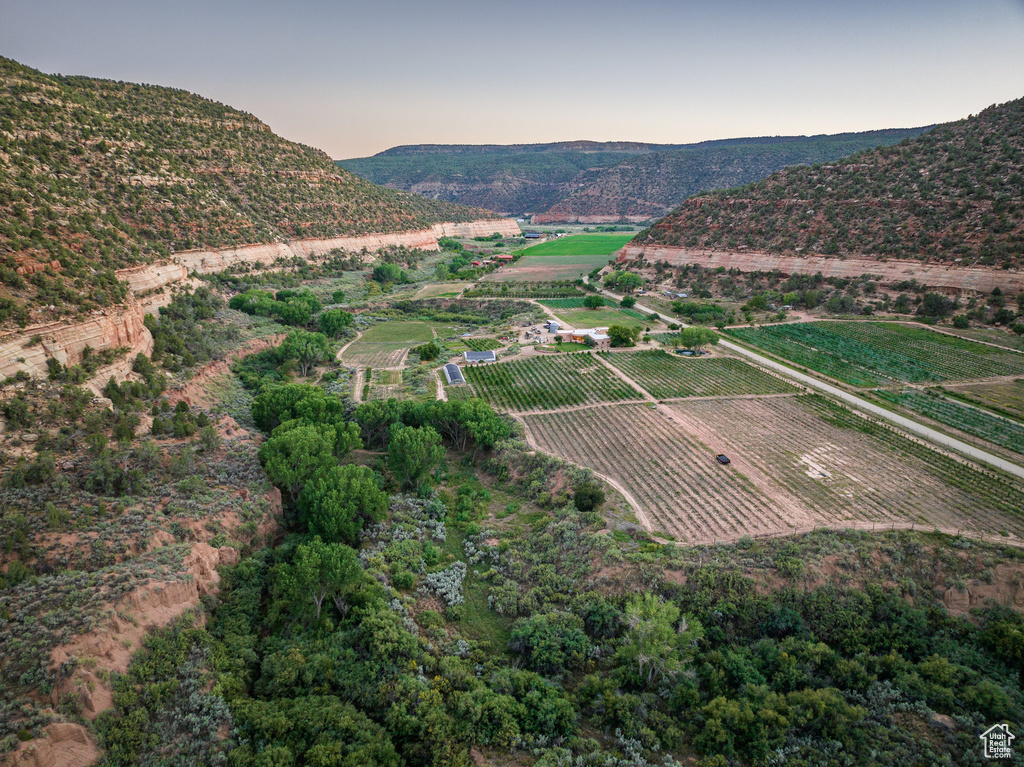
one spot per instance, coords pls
(723, 458)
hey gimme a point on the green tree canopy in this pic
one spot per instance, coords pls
(334, 321)
(412, 453)
(657, 641)
(306, 348)
(295, 452)
(338, 501)
(696, 338)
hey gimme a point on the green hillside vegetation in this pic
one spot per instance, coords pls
(97, 175)
(954, 193)
(589, 178)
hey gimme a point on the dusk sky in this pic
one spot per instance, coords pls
(357, 78)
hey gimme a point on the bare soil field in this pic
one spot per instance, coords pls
(385, 355)
(797, 462)
(547, 268)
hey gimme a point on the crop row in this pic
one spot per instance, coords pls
(666, 375)
(544, 383)
(674, 477)
(995, 429)
(867, 354)
(989, 490)
(481, 344)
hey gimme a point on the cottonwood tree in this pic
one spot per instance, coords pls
(412, 453)
(696, 338)
(306, 348)
(657, 641)
(337, 502)
(334, 321)
(295, 452)
(320, 571)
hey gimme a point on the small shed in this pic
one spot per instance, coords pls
(453, 374)
(531, 235)
(553, 326)
(475, 357)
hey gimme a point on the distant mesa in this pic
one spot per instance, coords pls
(598, 182)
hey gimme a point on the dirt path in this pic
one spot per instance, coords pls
(357, 385)
(638, 510)
(442, 395)
(343, 348)
(624, 377)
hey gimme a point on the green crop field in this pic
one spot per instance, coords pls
(401, 332)
(482, 344)
(666, 376)
(543, 383)
(600, 318)
(577, 303)
(872, 353)
(580, 245)
(980, 423)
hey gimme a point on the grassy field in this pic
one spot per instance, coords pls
(580, 245)
(992, 335)
(599, 318)
(547, 268)
(972, 420)
(442, 290)
(543, 383)
(817, 465)
(1007, 398)
(665, 375)
(401, 332)
(872, 353)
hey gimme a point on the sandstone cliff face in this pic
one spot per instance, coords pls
(211, 261)
(65, 342)
(891, 271)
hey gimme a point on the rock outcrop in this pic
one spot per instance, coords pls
(946, 276)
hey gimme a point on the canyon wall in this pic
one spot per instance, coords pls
(151, 285)
(946, 276)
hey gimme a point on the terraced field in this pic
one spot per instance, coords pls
(999, 431)
(544, 383)
(872, 353)
(666, 376)
(797, 462)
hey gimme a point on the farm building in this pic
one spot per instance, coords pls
(504, 258)
(531, 235)
(453, 374)
(552, 326)
(601, 339)
(476, 357)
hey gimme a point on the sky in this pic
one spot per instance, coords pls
(354, 78)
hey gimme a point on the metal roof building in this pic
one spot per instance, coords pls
(489, 356)
(453, 374)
